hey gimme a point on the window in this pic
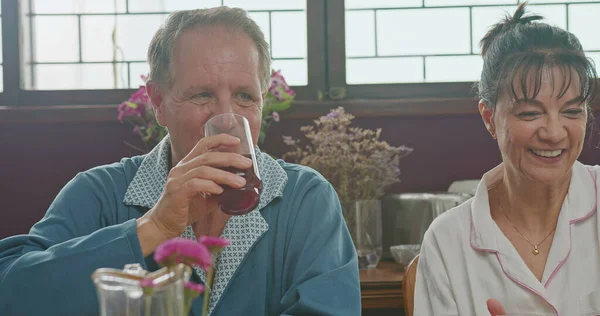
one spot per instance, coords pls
(1, 69)
(62, 52)
(102, 44)
(434, 41)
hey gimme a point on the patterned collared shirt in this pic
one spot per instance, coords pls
(243, 231)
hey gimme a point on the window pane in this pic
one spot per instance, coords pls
(1, 42)
(55, 39)
(78, 6)
(431, 3)
(131, 39)
(79, 76)
(294, 71)
(1, 68)
(596, 58)
(360, 30)
(96, 37)
(267, 4)
(27, 53)
(384, 70)
(584, 22)
(443, 36)
(169, 5)
(362, 4)
(560, 1)
(262, 19)
(553, 14)
(410, 32)
(485, 18)
(288, 41)
(137, 70)
(132, 43)
(453, 68)
(57, 48)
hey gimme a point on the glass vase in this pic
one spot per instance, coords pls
(363, 218)
(119, 291)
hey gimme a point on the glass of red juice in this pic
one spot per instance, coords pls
(237, 201)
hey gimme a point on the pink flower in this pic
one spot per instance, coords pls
(277, 94)
(198, 288)
(137, 110)
(214, 244)
(179, 250)
(278, 83)
(147, 286)
(277, 79)
(275, 116)
(140, 97)
(128, 108)
(191, 290)
(145, 282)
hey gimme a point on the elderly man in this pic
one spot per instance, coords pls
(292, 255)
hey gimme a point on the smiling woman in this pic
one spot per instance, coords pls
(518, 234)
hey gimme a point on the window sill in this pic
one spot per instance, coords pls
(300, 110)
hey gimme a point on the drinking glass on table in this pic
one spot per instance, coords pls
(237, 201)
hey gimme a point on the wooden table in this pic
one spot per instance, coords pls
(381, 289)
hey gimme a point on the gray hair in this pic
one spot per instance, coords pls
(161, 46)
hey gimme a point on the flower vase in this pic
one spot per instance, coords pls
(120, 293)
(363, 218)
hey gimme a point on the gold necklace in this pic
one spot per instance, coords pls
(535, 250)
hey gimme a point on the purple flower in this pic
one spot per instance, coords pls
(333, 115)
(214, 244)
(198, 288)
(179, 250)
(275, 116)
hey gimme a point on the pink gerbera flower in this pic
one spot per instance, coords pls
(179, 250)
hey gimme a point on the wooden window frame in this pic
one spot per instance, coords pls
(326, 62)
(14, 95)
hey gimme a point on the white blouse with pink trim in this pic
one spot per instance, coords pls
(466, 259)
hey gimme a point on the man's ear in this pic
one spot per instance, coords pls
(487, 115)
(156, 95)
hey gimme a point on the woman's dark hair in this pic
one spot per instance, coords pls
(515, 51)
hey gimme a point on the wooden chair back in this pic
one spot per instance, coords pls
(408, 284)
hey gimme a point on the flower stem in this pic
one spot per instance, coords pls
(148, 305)
(207, 288)
(135, 147)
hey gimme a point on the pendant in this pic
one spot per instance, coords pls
(535, 251)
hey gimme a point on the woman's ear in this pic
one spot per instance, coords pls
(156, 96)
(487, 115)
